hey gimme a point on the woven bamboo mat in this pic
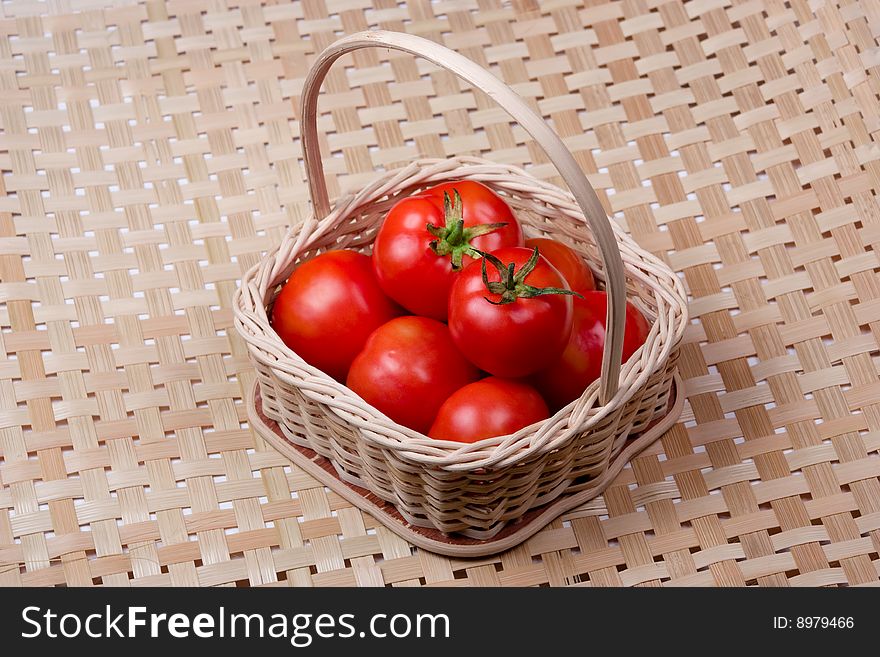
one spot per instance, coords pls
(149, 154)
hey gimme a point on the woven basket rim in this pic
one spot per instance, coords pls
(265, 345)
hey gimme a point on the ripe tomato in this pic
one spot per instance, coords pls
(512, 317)
(581, 362)
(486, 408)
(328, 308)
(408, 368)
(426, 238)
(573, 267)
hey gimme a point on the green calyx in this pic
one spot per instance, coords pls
(512, 285)
(453, 239)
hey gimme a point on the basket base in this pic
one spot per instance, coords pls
(433, 540)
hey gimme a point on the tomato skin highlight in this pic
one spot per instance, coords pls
(408, 368)
(581, 361)
(572, 266)
(328, 308)
(514, 339)
(407, 268)
(489, 407)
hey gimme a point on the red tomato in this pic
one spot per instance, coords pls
(426, 238)
(581, 362)
(509, 314)
(408, 368)
(328, 308)
(573, 267)
(489, 407)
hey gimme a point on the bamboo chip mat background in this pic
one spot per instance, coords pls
(150, 154)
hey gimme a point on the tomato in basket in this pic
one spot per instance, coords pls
(581, 362)
(328, 308)
(408, 368)
(486, 408)
(509, 313)
(572, 266)
(428, 237)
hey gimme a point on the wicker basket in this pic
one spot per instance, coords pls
(475, 488)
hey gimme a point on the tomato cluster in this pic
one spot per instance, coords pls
(456, 326)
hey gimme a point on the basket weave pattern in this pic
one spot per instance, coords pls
(735, 139)
(474, 490)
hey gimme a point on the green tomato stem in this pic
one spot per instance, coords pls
(512, 285)
(453, 239)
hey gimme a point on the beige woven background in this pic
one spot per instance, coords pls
(149, 154)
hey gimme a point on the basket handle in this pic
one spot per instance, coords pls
(530, 121)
